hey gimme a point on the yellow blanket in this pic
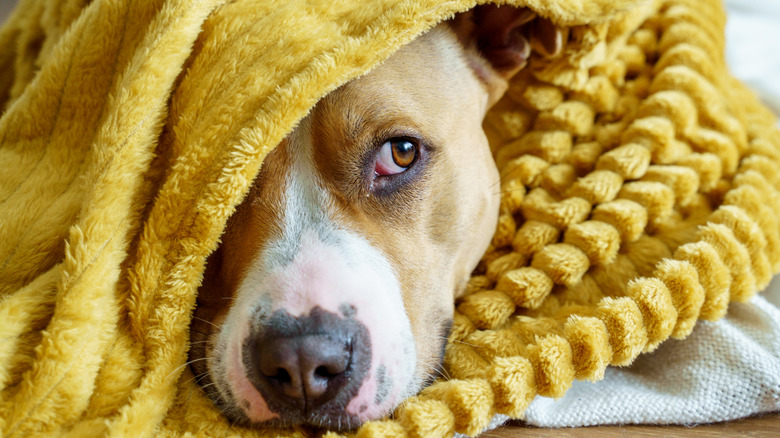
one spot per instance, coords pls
(639, 195)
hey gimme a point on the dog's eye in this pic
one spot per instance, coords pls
(396, 156)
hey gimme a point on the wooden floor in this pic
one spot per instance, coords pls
(763, 426)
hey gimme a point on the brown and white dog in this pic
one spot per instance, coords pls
(330, 298)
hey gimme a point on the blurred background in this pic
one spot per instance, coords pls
(5, 8)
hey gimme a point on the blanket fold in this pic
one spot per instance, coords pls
(639, 195)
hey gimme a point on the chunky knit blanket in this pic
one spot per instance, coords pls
(639, 195)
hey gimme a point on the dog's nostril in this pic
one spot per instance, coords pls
(282, 376)
(323, 372)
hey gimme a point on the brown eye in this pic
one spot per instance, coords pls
(404, 152)
(395, 156)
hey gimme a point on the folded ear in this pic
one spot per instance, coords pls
(503, 37)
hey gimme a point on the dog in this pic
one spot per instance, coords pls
(330, 298)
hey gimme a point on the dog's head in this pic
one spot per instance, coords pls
(330, 298)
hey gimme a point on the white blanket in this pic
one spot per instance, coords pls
(726, 369)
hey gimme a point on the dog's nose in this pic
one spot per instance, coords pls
(304, 368)
(308, 366)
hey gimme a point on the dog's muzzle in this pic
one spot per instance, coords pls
(309, 366)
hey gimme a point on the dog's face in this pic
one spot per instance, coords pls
(330, 298)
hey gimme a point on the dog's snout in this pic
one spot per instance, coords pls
(305, 368)
(309, 365)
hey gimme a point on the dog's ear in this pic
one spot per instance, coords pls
(504, 36)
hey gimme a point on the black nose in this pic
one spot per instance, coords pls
(308, 366)
(304, 368)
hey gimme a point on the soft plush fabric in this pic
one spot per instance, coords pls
(639, 195)
(726, 369)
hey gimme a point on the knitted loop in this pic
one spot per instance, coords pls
(551, 358)
(462, 360)
(572, 116)
(461, 327)
(628, 217)
(488, 309)
(512, 380)
(533, 236)
(713, 274)
(551, 146)
(657, 306)
(598, 93)
(629, 161)
(512, 194)
(735, 256)
(503, 264)
(687, 293)
(749, 234)
(527, 170)
(584, 155)
(557, 179)
(675, 106)
(540, 206)
(540, 97)
(654, 132)
(505, 231)
(490, 344)
(526, 286)
(426, 418)
(600, 241)
(380, 429)
(589, 341)
(597, 187)
(470, 401)
(683, 181)
(657, 198)
(624, 322)
(563, 263)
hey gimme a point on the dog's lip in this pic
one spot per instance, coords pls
(342, 422)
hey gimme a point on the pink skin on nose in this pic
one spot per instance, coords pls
(243, 389)
(353, 274)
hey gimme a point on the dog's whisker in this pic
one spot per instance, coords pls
(198, 377)
(438, 369)
(199, 332)
(187, 363)
(503, 176)
(202, 376)
(208, 385)
(206, 321)
(435, 368)
(199, 342)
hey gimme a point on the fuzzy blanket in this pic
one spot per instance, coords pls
(726, 369)
(639, 196)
